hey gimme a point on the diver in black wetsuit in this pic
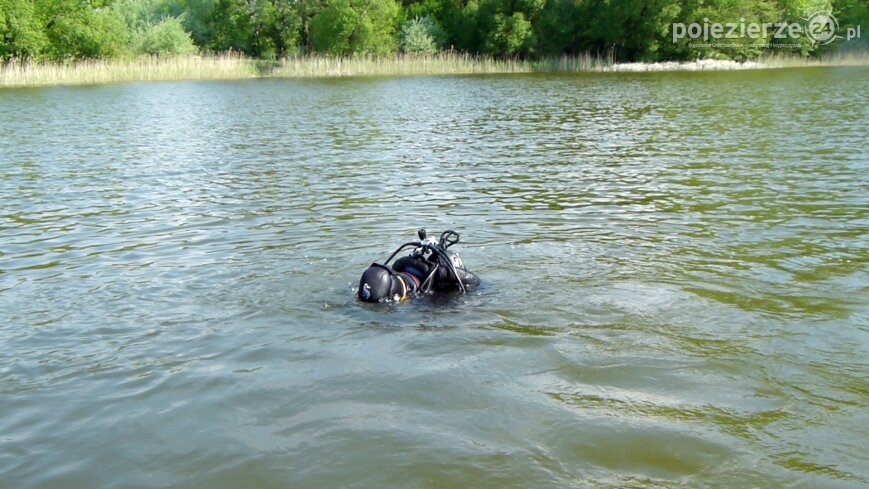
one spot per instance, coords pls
(430, 268)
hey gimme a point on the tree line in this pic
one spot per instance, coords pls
(625, 30)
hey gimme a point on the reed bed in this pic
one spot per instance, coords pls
(587, 63)
(230, 66)
(235, 66)
(852, 58)
(574, 64)
(148, 68)
(448, 63)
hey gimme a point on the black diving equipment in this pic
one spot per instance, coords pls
(430, 268)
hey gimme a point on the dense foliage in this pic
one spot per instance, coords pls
(626, 30)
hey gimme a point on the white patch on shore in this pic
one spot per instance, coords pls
(699, 65)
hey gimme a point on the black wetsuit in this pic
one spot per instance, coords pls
(419, 268)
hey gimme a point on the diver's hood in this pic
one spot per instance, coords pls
(379, 284)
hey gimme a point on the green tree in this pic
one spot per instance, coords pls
(166, 37)
(459, 19)
(851, 14)
(555, 29)
(307, 10)
(83, 30)
(509, 34)
(155, 27)
(21, 32)
(421, 35)
(628, 30)
(261, 28)
(506, 26)
(286, 26)
(197, 18)
(725, 11)
(423, 8)
(332, 29)
(355, 27)
(242, 25)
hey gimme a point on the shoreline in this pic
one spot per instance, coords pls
(236, 67)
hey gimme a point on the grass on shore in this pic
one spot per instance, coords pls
(235, 66)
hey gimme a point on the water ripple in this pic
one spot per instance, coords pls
(674, 265)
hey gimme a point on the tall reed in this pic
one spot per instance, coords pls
(236, 66)
(846, 58)
(447, 63)
(147, 68)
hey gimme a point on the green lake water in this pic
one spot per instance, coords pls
(675, 268)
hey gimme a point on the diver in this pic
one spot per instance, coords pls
(431, 267)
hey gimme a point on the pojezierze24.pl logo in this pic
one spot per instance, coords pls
(820, 28)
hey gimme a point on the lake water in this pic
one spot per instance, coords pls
(676, 289)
